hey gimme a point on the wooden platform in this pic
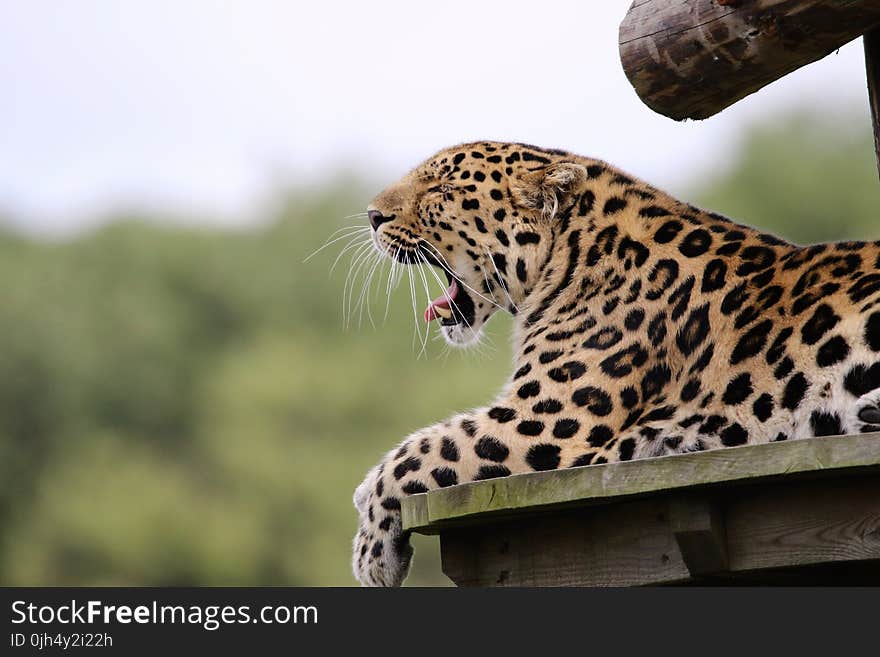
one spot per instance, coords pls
(799, 512)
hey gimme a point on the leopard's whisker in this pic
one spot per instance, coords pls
(351, 230)
(364, 298)
(353, 272)
(392, 284)
(355, 242)
(420, 265)
(412, 294)
(502, 282)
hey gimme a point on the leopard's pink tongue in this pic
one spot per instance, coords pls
(439, 307)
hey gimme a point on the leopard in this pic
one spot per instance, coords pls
(643, 327)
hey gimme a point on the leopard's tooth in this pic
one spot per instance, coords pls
(445, 313)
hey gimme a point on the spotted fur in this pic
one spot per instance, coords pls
(643, 327)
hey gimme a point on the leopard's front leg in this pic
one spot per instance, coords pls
(438, 456)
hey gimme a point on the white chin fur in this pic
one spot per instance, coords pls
(460, 335)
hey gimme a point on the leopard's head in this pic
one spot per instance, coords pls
(483, 214)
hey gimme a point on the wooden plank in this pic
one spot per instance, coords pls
(872, 70)
(809, 532)
(530, 493)
(623, 545)
(804, 523)
(693, 58)
(699, 532)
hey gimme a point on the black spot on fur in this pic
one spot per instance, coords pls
(543, 457)
(825, 424)
(714, 275)
(567, 371)
(690, 390)
(409, 464)
(530, 389)
(751, 343)
(712, 424)
(547, 406)
(668, 231)
(597, 401)
(449, 450)
(582, 460)
(444, 476)
(777, 349)
(604, 338)
(654, 381)
(629, 247)
(786, 365)
(491, 472)
(763, 407)
(657, 329)
(622, 362)
(522, 371)
(833, 351)
(795, 390)
(501, 414)
(491, 449)
(661, 413)
(653, 211)
(629, 397)
(864, 287)
(626, 449)
(634, 319)
(391, 504)
(734, 435)
(872, 332)
(694, 331)
(680, 299)
(664, 273)
(695, 243)
(530, 427)
(585, 203)
(862, 379)
(734, 299)
(738, 390)
(566, 428)
(599, 435)
(414, 488)
(757, 258)
(527, 237)
(613, 205)
(469, 427)
(728, 249)
(822, 321)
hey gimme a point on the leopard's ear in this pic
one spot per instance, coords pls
(545, 190)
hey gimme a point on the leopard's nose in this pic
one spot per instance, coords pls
(377, 218)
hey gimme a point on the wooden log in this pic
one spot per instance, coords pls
(872, 69)
(690, 59)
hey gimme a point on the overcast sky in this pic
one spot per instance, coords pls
(204, 108)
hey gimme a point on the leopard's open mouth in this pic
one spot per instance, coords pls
(456, 305)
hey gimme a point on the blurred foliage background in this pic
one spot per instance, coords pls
(182, 406)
